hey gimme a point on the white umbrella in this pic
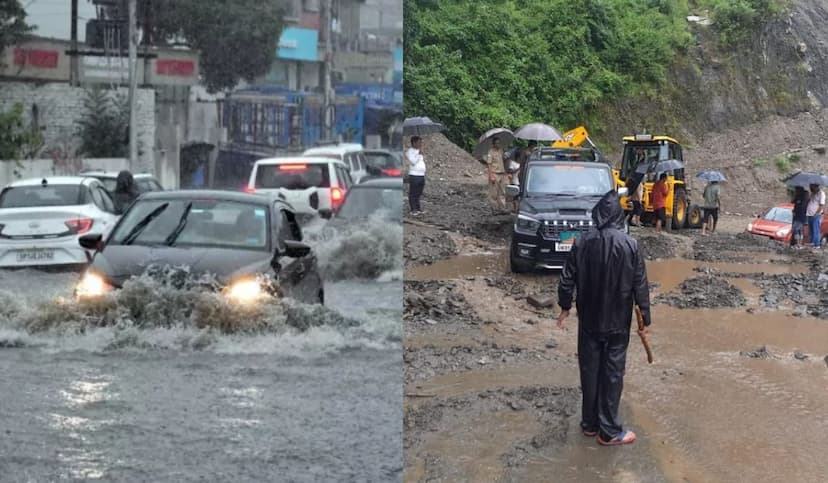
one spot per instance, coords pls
(538, 131)
(421, 126)
(485, 142)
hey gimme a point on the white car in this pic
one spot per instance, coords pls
(350, 154)
(143, 181)
(41, 220)
(313, 186)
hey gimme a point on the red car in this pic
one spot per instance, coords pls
(775, 223)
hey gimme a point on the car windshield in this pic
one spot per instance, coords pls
(292, 176)
(782, 215)
(207, 223)
(37, 195)
(364, 201)
(575, 179)
(383, 160)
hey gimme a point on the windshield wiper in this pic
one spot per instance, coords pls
(555, 195)
(137, 229)
(182, 222)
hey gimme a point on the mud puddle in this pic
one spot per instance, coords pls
(668, 274)
(462, 266)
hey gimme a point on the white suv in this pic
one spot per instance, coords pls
(313, 186)
(41, 220)
(350, 154)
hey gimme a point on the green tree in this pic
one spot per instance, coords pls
(104, 127)
(17, 141)
(13, 24)
(237, 40)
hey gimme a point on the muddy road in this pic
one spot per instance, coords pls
(737, 391)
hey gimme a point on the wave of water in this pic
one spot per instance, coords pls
(153, 313)
(372, 250)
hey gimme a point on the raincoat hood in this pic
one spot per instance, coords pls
(608, 213)
(124, 182)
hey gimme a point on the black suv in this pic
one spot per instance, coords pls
(555, 207)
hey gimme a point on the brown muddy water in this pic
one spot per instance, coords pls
(702, 411)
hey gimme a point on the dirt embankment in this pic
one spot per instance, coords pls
(489, 379)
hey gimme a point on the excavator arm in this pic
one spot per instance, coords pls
(577, 137)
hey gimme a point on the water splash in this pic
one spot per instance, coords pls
(371, 250)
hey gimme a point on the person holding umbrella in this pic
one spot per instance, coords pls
(659, 197)
(816, 208)
(712, 204)
(800, 216)
(416, 175)
(494, 162)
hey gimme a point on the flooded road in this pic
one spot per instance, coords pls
(181, 404)
(708, 409)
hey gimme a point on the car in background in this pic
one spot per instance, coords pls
(383, 163)
(349, 153)
(776, 223)
(251, 244)
(41, 220)
(312, 185)
(145, 182)
(381, 198)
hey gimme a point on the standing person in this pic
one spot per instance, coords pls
(416, 175)
(816, 208)
(659, 196)
(523, 160)
(712, 203)
(125, 191)
(606, 271)
(636, 198)
(494, 161)
(800, 216)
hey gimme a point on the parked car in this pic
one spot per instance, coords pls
(350, 154)
(383, 163)
(776, 223)
(144, 181)
(313, 186)
(244, 240)
(41, 220)
(555, 208)
(381, 197)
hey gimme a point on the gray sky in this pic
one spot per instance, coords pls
(52, 17)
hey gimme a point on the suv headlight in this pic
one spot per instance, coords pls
(246, 290)
(92, 285)
(527, 223)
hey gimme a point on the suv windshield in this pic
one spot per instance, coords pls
(32, 196)
(293, 176)
(583, 179)
(363, 202)
(200, 223)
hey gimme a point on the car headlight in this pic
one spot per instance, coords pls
(92, 285)
(750, 226)
(526, 223)
(783, 231)
(246, 290)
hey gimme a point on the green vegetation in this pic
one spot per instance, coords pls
(17, 140)
(104, 128)
(736, 20)
(759, 162)
(784, 162)
(13, 24)
(478, 64)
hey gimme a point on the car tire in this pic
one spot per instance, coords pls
(695, 217)
(680, 208)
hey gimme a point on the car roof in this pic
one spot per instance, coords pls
(112, 174)
(380, 183)
(59, 180)
(336, 149)
(299, 160)
(208, 194)
(783, 205)
(568, 162)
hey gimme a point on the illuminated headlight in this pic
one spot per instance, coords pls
(783, 232)
(92, 285)
(750, 226)
(246, 291)
(525, 223)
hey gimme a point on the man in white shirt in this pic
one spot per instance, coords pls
(416, 175)
(815, 210)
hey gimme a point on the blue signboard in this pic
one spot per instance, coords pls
(299, 44)
(398, 59)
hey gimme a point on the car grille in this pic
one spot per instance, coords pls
(553, 231)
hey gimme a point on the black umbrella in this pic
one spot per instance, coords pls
(660, 166)
(805, 179)
(421, 126)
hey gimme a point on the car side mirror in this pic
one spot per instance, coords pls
(623, 191)
(296, 249)
(512, 190)
(92, 241)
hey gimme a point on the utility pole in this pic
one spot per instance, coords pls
(133, 85)
(73, 60)
(329, 101)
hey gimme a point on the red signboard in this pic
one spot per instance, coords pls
(44, 59)
(309, 21)
(180, 68)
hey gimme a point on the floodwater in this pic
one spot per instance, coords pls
(176, 403)
(702, 411)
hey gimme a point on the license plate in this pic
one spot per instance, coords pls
(35, 255)
(563, 247)
(569, 236)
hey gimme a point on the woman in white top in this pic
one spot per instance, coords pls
(816, 207)
(416, 174)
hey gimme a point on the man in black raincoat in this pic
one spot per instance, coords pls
(606, 270)
(125, 191)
